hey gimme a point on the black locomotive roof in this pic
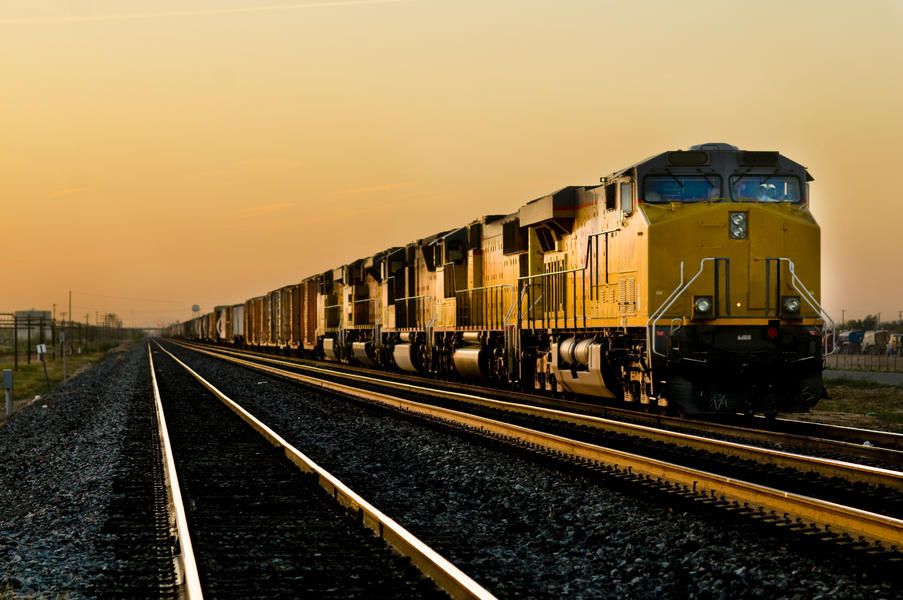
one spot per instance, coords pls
(713, 156)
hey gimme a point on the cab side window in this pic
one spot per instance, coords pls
(626, 197)
(611, 201)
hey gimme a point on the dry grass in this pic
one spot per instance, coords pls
(29, 381)
(860, 404)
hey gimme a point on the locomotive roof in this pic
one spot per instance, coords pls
(716, 155)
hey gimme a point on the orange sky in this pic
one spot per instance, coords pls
(160, 153)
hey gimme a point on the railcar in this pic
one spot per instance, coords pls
(237, 332)
(223, 329)
(254, 322)
(198, 327)
(688, 282)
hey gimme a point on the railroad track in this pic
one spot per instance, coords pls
(818, 516)
(825, 467)
(255, 517)
(854, 435)
(878, 448)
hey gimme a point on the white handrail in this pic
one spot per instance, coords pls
(806, 295)
(668, 303)
(682, 287)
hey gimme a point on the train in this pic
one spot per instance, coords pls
(686, 283)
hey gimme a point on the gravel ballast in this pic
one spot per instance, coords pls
(519, 527)
(524, 529)
(260, 527)
(59, 456)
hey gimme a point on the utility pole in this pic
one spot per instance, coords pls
(71, 318)
(63, 350)
(843, 317)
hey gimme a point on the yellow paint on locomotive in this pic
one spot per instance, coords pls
(644, 253)
(604, 261)
(689, 233)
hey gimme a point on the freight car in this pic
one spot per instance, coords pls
(687, 282)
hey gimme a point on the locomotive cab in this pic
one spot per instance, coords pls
(735, 323)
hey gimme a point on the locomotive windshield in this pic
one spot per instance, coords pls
(765, 188)
(681, 188)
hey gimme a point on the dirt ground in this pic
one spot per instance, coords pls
(859, 404)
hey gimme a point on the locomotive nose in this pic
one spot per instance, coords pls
(748, 259)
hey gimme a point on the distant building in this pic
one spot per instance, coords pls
(34, 325)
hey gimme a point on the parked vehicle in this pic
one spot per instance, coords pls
(875, 342)
(895, 345)
(850, 341)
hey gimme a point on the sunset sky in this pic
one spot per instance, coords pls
(160, 153)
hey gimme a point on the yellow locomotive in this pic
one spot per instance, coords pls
(688, 282)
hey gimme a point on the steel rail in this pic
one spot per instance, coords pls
(825, 467)
(433, 565)
(883, 447)
(887, 439)
(831, 517)
(187, 578)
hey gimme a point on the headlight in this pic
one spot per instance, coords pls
(703, 304)
(737, 225)
(791, 304)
